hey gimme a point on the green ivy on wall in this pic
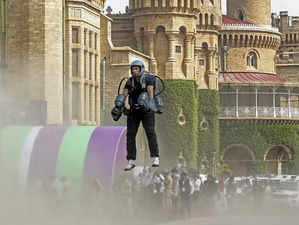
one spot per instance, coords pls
(259, 139)
(189, 123)
(177, 127)
(208, 129)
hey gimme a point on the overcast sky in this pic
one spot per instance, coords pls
(277, 5)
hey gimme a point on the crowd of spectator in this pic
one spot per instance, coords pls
(151, 194)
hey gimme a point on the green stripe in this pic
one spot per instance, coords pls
(72, 152)
(12, 140)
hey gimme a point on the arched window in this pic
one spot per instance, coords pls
(200, 19)
(252, 60)
(205, 46)
(160, 29)
(206, 19)
(183, 30)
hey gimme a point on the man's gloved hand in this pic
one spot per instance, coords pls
(159, 104)
(151, 105)
(119, 105)
(147, 103)
(116, 113)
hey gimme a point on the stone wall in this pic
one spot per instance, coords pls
(53, 81)
(288, 72)
(237, 60)
(34, 54)
(254, 11)
(123, 31)
(288, 54)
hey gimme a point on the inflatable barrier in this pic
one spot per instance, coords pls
(78, 152)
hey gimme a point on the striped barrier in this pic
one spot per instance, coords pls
(78, 152)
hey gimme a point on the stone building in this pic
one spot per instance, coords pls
(181, 37)
(34, 53)
(287, 56)
(234, 53)
(82, 62)
(258, 88)
(62, 62)
(53, 57)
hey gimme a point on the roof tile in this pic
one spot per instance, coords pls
(249, 77)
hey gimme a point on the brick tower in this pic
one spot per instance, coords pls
(171, 32)
(253, 11)
(34, 56)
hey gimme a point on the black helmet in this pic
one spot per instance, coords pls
(140, 64)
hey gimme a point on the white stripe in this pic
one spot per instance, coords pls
(26, 155)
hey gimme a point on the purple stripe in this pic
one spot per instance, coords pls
(45, 152)
(120, 158)
(104, 146)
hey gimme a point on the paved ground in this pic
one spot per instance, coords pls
(283, 217)
(240, 220)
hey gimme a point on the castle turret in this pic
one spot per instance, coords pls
(248, 37)
(166, 30)
(253, 11)
(284, 21)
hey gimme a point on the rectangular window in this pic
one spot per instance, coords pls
(85, 36)
(201, 62)
(96, 41)
(75, 62)
(85, 103)
(178, 49)
(90, 66)
(75, 35)
(90, 103)
(95, 104)
(85, 64)
(90, 39)
(75, 100)
(95, 67)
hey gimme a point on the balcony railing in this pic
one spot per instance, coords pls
(249, 27)
(259, 112)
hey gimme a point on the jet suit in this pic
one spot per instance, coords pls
(142, 110)
(139, 114)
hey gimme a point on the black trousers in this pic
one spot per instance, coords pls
(133, 123)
